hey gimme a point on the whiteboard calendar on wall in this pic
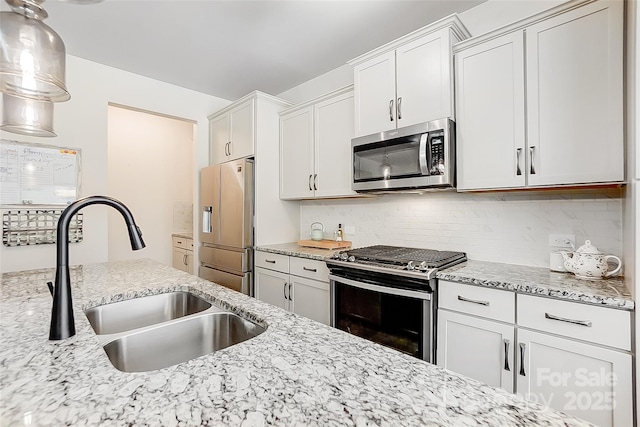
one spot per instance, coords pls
(37, 174)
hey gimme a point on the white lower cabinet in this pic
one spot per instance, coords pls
(305, 293)
(478, 348)
(583, 380)
(568, 356)
(182, 254)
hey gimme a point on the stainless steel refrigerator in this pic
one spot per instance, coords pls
(226, 224)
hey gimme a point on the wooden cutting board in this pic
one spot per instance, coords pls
(324, 244)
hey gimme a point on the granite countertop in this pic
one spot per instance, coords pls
(183, 234)
(293, 249)
(612, 293)
(298, 372)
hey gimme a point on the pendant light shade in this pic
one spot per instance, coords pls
(26, 116)
(32, 65)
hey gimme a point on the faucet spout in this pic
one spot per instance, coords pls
(62, 321)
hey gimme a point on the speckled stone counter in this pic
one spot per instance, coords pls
(612, 292)
(292, 249)
(183, 234)
(298, 372)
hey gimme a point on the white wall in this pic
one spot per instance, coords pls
(82, 123)
(150, 164)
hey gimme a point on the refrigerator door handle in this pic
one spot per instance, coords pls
(207, 211)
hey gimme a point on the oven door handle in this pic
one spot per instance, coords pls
(382, 289)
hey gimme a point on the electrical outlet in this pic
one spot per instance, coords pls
(349, 229)
(562, 240)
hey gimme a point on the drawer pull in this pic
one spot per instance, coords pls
(314, 270)
(284, 290)
(270, 261)
(507, 343)
(522, 349)
(461, 298)
(562, 319)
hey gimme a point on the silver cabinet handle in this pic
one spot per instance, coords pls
(226, 149)
(518, 154)
(461, 298)
(563, 319)
(391, 110)
(310, 188)
(522, 350)
(229, 147)
(399, 108)
(284, 290)
(270, 261)
(309, 269)
(290, 293)
(532, 170)
(506, 343)
(315, 181)
(184, 259)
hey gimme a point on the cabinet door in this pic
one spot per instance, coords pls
(574, 96)
(490, 127)
(480, 349)
(179, 259)
(272, 287)
(219, 138)
(310, 298)
(333, 133)
(241, 120)
(582, 380)
(296, 154)
(424, 79)
(189, 262)
(375, 94)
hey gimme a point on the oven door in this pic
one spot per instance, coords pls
(399, 318)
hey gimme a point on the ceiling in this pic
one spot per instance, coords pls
(230, 48)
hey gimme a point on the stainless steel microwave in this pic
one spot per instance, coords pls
(414, 157)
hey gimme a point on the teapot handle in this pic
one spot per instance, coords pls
(617, 269)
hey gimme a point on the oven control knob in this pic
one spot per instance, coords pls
(410, 266)
(424, 266)
(344, 257)
(351, 259)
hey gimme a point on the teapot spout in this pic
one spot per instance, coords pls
(568, 260)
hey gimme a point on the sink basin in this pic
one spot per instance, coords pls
(144, 311)
(179, 341)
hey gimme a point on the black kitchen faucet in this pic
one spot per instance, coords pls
(62, 322)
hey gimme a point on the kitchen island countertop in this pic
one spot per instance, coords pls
(298, 372)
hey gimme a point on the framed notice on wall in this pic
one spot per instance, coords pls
(37, 174)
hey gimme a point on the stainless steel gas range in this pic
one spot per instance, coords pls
(388, 294)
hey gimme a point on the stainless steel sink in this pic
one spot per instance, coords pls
(144, 311)
(179, 341)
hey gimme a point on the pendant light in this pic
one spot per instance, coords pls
(32, 64)
(26, 116)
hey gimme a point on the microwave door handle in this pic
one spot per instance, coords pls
(423, 155)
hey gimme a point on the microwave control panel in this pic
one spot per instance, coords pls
(436, 151)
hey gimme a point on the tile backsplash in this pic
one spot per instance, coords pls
(182, 216)
(511, 227)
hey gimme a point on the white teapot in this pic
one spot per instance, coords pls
(587, 262)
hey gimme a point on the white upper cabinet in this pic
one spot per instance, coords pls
(574, 96)
(539, 103)
(232, 132)
(490, 114)
(407, 81)
(315, 147)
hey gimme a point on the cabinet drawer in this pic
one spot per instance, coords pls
(600, 325)
(277, 262)
(181, 242)
(493, 304)
(311, 268)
